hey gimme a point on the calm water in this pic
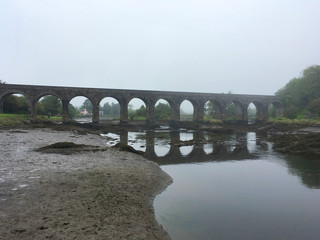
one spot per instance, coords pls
(232, 187)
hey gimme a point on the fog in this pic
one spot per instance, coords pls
(248, 46)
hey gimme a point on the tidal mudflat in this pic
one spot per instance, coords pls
(104, 194)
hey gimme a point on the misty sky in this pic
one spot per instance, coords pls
(247, 46)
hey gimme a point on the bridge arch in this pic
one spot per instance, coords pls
(137, 108)
(47, 93)
(209, 144)
(48, 105)
(13, 91)
(187, 108)
(234, 110)
(163, 110)
(184, 138)
(161, 143)
(208, 148)
(50, 92)
(26, 108)
(84, 107)
(261, 111)
(109, 108)
(255, 111)
(213, 110)
(275, 109)
(252, 112)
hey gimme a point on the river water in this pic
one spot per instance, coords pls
(231, 186)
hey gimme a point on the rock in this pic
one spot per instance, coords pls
(127, 148)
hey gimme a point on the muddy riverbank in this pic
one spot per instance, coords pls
(299, 141)
(105, 194)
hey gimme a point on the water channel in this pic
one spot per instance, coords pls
(230, 186)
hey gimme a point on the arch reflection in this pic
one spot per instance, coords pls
(165, 147)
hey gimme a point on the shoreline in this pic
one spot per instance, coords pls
(86, 195)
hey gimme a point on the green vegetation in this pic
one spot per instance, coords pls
(87, 105)
(186, 117)
(231, 111)
(72, 111)
(49, 106)
(112, 109)
(13, 119)
(301, 96)
(251, 113)
(283, 120)
(8, 119)
(162, 111)
(15, 104)
(211, 112)
(215, 121)
(139, 114)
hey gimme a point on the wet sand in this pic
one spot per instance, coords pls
(86, 195)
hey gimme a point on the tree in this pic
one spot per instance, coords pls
(210, 110)
(251, 111)
(72, 111)
(110, 109)
(106, 108)
(272, 111)
(87, 105)
(299, 92)
(50, 105)
(15, 104)
(162, 111)
(141, 112)
(115, 108)
(314, 107)
(131, 112)
(231, 111)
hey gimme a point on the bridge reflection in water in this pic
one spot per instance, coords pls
(179, 147)
(182, 147)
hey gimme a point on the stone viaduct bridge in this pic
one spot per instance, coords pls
(33, 93)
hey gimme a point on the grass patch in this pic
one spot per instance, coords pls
(212, 120)
(41, 118)
(7, 119)
(139, 118)
(13, 119)
(294, 121)
(186, 117)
